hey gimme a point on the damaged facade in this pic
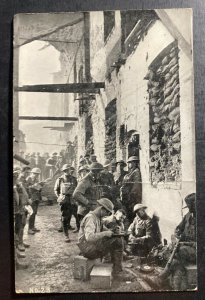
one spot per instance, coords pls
(148, 91)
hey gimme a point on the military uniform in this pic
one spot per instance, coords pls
(86, 194)
(131, 192)
(34, 190)
(94, 244)
(141, 230)
(64, 188)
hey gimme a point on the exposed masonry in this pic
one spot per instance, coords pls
(164, 101)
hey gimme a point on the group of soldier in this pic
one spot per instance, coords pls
(111, 221)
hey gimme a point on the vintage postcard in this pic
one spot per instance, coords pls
(104, 152)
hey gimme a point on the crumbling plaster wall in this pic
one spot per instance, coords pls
(166, 202)
(130, 89)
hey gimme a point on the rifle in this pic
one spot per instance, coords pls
(168, 264)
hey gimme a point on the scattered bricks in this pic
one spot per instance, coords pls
(101, 276)
(82, 267)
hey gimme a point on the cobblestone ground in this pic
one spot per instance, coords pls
(50, 261)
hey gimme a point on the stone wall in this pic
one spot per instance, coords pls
(130, 90)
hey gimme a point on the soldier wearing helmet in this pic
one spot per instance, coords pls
(131, 190)
(87, 192)
(141, 232)
(34, 191)
(96, 241)
(185, 253)
(64, 188)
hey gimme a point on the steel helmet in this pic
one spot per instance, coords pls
(106, 203)
(133, 158)
(36, 171)
(65, 167)
(139, 206)
(96, 166)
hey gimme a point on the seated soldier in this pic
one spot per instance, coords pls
(96, 243)
(141, 232)
(185, 251)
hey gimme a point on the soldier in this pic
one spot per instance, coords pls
(20, 264)
(25, 171)
(64, 188)
(96, 243)
(120, 172)
(87, 192)
(108, 188)
(82, 172)
(141, 232)
(131, 190)
(185, 251)
(34, 188)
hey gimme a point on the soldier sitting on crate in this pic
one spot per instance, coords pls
(184, 251)
(94, 242)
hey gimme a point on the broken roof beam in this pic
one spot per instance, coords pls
(91, 87)
(48, 118)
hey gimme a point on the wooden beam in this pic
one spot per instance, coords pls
(48, 118)
(172, 28)
(92, 87)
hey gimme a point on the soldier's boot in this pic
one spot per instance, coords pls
(20, 254)
(26, 245)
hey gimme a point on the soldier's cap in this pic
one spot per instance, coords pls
(106, 203)
(36, 171)
(96, 166)
(121, 161)
(107, 163)
(72, 168)
(83, 168)
(191, 198)
(65, 167)
(133, 158)
(54, 154)
(26, 168)
(139, 206)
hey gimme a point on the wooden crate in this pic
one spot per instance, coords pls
(101, 276)
(82, 267)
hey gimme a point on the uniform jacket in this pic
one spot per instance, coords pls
(90, 228)
(187, 228)
(86, 194)
(34, 188)
(64, 188)
(141, 228)
(131, 190)
(20, 198)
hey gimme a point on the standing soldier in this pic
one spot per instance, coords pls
(131, 190)
(87, 192)
(34, 188)
(64, 188)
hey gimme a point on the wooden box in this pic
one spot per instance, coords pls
(82, 267)
(101, 276)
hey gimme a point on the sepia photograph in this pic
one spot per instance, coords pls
(104, 167)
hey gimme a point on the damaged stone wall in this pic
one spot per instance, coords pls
(110, 130)
(164, 113)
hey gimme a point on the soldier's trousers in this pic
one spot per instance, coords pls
(31, 223)
(100, 247)
(66, 215)
(20, 222)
